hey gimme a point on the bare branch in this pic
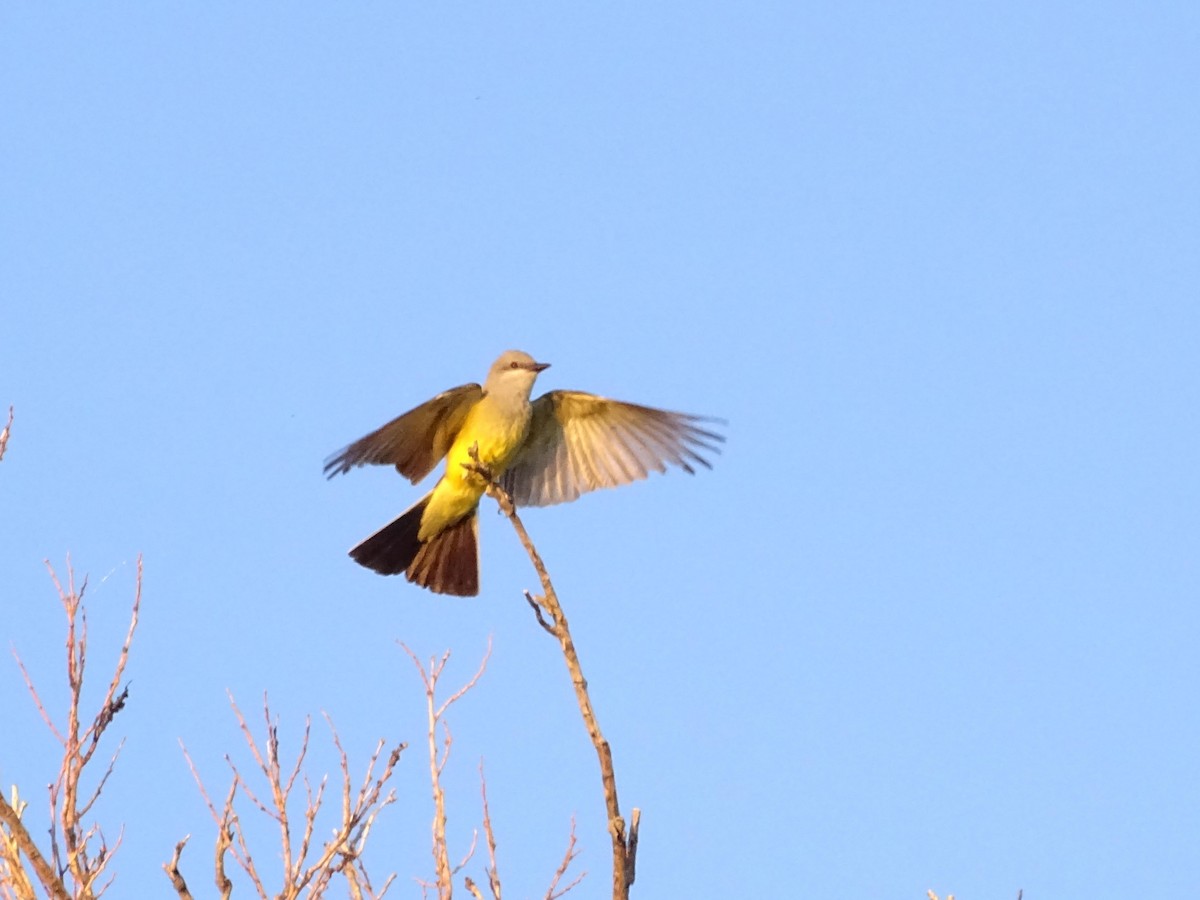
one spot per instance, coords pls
(553, 892)
(537, 611)
(37, 700)
(341, 854)
(635, 822)
(78, 850)
(5, 433)
(173, 873)
(462, 864)
(624, 847)
(441, 861)
(223, 845)
(114, 702)
(433, 716)
(457, 695)
(493, 873)
(86, 807)
(15, 829)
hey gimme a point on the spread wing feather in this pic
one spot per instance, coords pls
(580, 442)
(415, 442)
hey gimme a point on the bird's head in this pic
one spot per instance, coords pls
(513, 371)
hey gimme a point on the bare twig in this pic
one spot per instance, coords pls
(304, 868)
(224, 844)
(78, 851)
(553, 892)
(80, 747)
(224, 820)
(624, 845)
(17, 838)
(437, 762)
(462, 863)
(173, 873)
(493, 873)
(537, 611)
(5, 433)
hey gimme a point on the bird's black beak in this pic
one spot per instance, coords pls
(540, 367)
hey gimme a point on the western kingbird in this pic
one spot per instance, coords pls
(549, 451)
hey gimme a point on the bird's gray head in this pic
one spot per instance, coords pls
(513, 372)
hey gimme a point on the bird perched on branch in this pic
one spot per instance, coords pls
(547, 451)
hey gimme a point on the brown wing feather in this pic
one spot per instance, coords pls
(415, 442)
(580, 442)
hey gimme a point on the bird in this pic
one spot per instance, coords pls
(546, 451)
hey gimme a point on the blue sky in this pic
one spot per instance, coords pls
(930, 622)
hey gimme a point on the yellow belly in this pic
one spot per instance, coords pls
(499, 435)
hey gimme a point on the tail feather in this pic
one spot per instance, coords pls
(447, 563)
(391, 549)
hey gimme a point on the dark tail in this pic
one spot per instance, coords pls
(447, 563)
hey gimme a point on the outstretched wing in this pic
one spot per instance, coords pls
(413, 442)
(579, 442)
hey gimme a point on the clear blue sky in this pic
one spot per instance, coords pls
(931, 621)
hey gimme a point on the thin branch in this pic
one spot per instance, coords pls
(224, 845)
(357, 818)
(11, 820)
(458, 695)
(441, 860)
(462, 863)
(341, 854)
(5, 433)
(537, 611)
(86, 807)
(37, 700)
(437, 762)
(75, 848)
(173, 873)
(635, 823)
(114, 702)
(553, 893)
(493, 873)
(624, 847)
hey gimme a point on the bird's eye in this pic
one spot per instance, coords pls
(514, 365)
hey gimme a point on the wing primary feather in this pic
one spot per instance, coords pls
(583, 442)
(601, 445)
(413, 442)
(589, 479)
(668, 442)
(624, 454)
(650, 457)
